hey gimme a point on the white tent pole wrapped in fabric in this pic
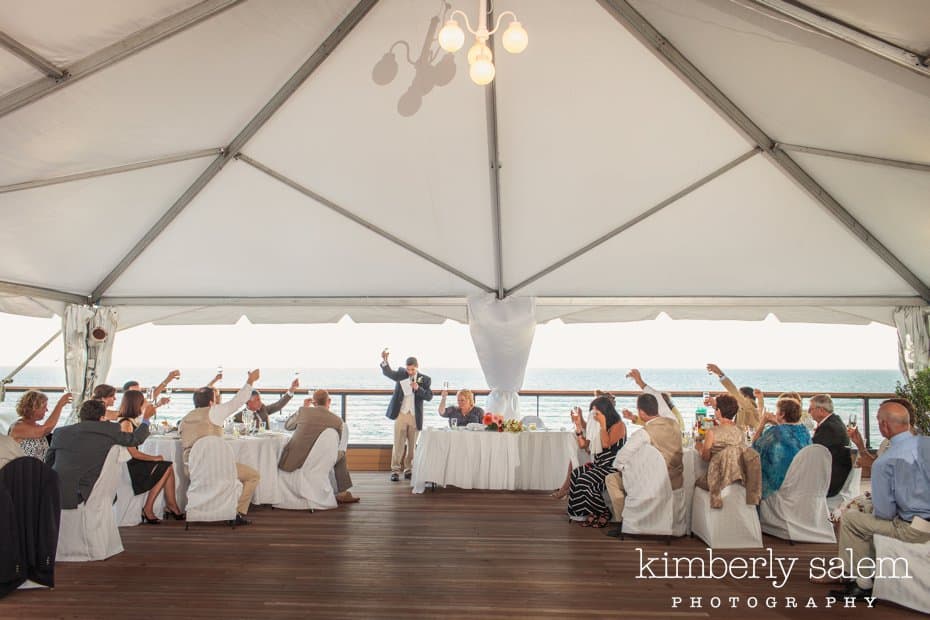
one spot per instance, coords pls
(502, 331)
(88, 335)
(913, 326)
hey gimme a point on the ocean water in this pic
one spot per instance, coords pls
(365, 414)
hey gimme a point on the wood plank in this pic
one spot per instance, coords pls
(448, 553)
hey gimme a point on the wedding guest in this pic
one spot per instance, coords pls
(79, 451)
(900, 498)
(778, 445)
(465, 413)
(262, 411)
(586, 488)
(309, 421)
(724, 448)
(747, 417)
(831, 434)
(106, 394)
(664, 434)
(406, 409)
(577, 419)
(29, 430)
(207, 419)
(133, 385)
(149, 473)
(666, 407)
(9, 450)
(866, 458)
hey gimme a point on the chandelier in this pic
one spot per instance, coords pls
(480, 59)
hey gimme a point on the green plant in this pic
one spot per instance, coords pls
(917, 390)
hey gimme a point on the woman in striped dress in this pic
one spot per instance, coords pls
(586, 492)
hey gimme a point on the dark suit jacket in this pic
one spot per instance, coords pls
(831, 434)
(266, 410)
(422, 393)
(77, 454)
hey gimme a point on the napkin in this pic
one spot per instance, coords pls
(593, 435)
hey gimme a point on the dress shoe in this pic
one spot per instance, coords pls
(616, 532)
(240, 520)
(394, 477)
(346, 498)
(408, 475)
(852, 591)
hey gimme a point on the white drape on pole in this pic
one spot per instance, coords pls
(913, 339)
(87, 358)
(502, 331)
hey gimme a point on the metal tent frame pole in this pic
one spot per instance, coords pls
(245, 134)
(490, 104)
(637, 25)
(866, 159)
(27, 290)
(9, 378)
(113, 53)
(33, 58)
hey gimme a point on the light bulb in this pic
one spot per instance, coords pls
(482, 72)
(515, 38)
(451, 37)
(479, 50)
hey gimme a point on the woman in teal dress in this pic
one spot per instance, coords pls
(778, 445)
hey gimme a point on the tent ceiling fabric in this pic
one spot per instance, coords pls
(593, 131)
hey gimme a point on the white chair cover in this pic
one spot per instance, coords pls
(533, 419)
(309, 487)
(798, 510)
(911, 592)
(128, 507)
(89, 532)
(851, 489)
(681, 499)
(214, 485)
(735, 526)
(649, 507)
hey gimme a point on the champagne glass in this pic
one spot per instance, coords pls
(853, 420)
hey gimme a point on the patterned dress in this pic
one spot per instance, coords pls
(586, 493)
(36, 447)
(777, 447)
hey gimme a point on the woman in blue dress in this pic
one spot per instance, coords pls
(778, 444)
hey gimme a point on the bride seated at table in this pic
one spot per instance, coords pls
(465, 413)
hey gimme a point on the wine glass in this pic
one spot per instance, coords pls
(853, 420)
(454, 423)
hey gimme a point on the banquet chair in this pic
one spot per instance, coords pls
(310, 487)
(88, 532)
(851, 489)
(214, 486)
(735, 526)
(912, 592)
(798, 510)
(533, 419)
(128, 506)
(651, 507)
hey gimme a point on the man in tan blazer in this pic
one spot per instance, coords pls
(748, 415)
(664, 434)
(309, 421)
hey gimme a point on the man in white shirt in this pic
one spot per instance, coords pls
(207, 419)
(665, 409)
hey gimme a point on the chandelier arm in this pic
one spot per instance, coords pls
(497, 25)
(467, 23)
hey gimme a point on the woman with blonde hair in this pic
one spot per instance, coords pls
(28, 430)
(465, 413)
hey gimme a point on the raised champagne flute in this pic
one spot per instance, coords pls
(853, 420)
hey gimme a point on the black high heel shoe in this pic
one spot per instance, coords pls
(169, 514)
(147, 521)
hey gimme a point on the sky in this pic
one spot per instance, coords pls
(662, 343)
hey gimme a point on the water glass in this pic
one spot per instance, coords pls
(533, 426)
(454, 423)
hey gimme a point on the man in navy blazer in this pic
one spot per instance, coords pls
(406, 409)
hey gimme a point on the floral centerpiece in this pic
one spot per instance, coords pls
(497, 423)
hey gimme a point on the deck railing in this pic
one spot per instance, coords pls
(367, 417)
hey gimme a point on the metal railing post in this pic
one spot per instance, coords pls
(537, 405)
(344, 399)
(866, 423)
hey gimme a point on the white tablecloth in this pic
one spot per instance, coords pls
(260, 453)
(532, 460)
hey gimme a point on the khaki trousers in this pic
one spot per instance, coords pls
(614, 484)
(405, 433)
(343, 479)
(857, 531)
(249, 479)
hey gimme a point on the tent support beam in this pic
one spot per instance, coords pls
(490, 104)
(867, 159)
(9, 378)
(36, 60)
(170, 159)
(805, 18)
(636, 220)
(277, 176)
(637, 25)
(26, 290)
(277, 100)
(113, 53)
(361, 301)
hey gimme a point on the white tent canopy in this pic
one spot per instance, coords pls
(293, 161)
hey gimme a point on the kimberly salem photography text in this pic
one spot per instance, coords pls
(764, 566)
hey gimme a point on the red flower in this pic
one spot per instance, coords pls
(488, 419)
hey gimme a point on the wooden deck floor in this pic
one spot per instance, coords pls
(448, 553)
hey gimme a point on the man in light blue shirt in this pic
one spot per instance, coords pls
(900, 496)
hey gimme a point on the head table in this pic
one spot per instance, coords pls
(531, 460)
(260, 452)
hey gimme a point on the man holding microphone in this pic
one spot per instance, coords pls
(406, 409)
